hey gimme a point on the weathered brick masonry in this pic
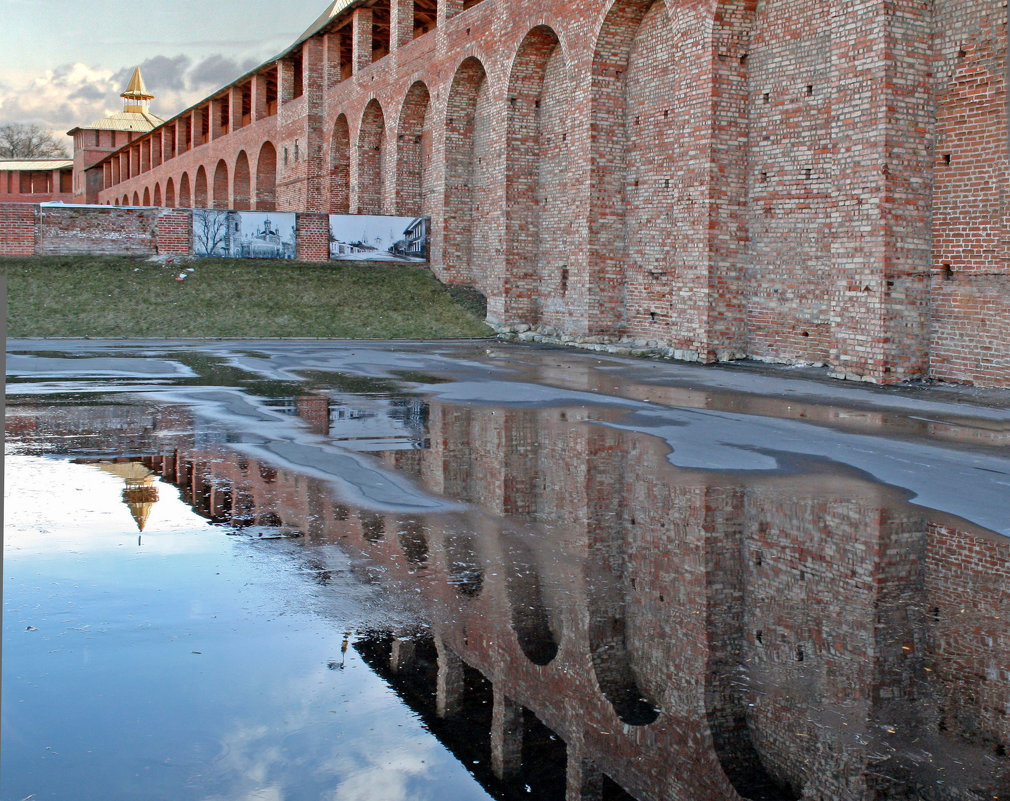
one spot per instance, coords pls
(18, 224)
(803, 182)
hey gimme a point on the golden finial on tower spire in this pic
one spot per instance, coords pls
(136, 96)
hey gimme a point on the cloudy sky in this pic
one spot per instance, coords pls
(65, 62)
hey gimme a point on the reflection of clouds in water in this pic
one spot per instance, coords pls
(352, 757)
(386, 778)
(266, 794)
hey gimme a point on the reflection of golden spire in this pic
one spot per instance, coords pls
(140, 493)
(136, 95)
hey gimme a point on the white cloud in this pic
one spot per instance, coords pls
(75, 94)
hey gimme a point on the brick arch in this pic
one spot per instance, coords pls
(371, 153)
(728, 713)
(136, 199)
(467, 129)
(791, 133)
(241, 183)
(340, 167)
(157, 194)
(611, 622)
(413, 152)
(126, 200)
(266, 178)
(616, 148)
(537, 223)
(147, 196)
(219, 196)
(530, 618)
(201, 199)
(185, 194)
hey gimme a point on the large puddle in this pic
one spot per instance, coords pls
(281, 571)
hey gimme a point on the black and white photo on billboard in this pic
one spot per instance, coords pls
(244, 234)
(360, 237)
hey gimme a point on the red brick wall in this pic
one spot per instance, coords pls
(970, 287)
(90, 230)
(18, 229)
(175, 232)
(718, 177)
(789, 268)
(313, 237)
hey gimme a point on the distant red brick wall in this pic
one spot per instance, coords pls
(17, 229)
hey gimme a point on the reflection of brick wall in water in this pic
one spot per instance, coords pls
(777, 623)
(967, 606)
(831, 570)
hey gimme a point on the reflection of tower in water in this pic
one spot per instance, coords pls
(140, 493)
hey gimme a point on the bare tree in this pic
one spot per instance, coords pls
(210, 232)
(21, 141)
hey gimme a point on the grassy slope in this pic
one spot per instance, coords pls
(77, 296)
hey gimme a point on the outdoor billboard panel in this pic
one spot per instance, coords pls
(244, 234)
(360, 237)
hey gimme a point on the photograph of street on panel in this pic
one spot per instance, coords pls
(356, 237)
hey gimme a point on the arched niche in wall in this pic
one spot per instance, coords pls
(371, 155)
(632, 151)
(340, 167)
(467, 131)
(220, 187)
(537, 223)
(413, 152)
(242, 183)
(266, 178)
(201, 198)
(185, 194)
